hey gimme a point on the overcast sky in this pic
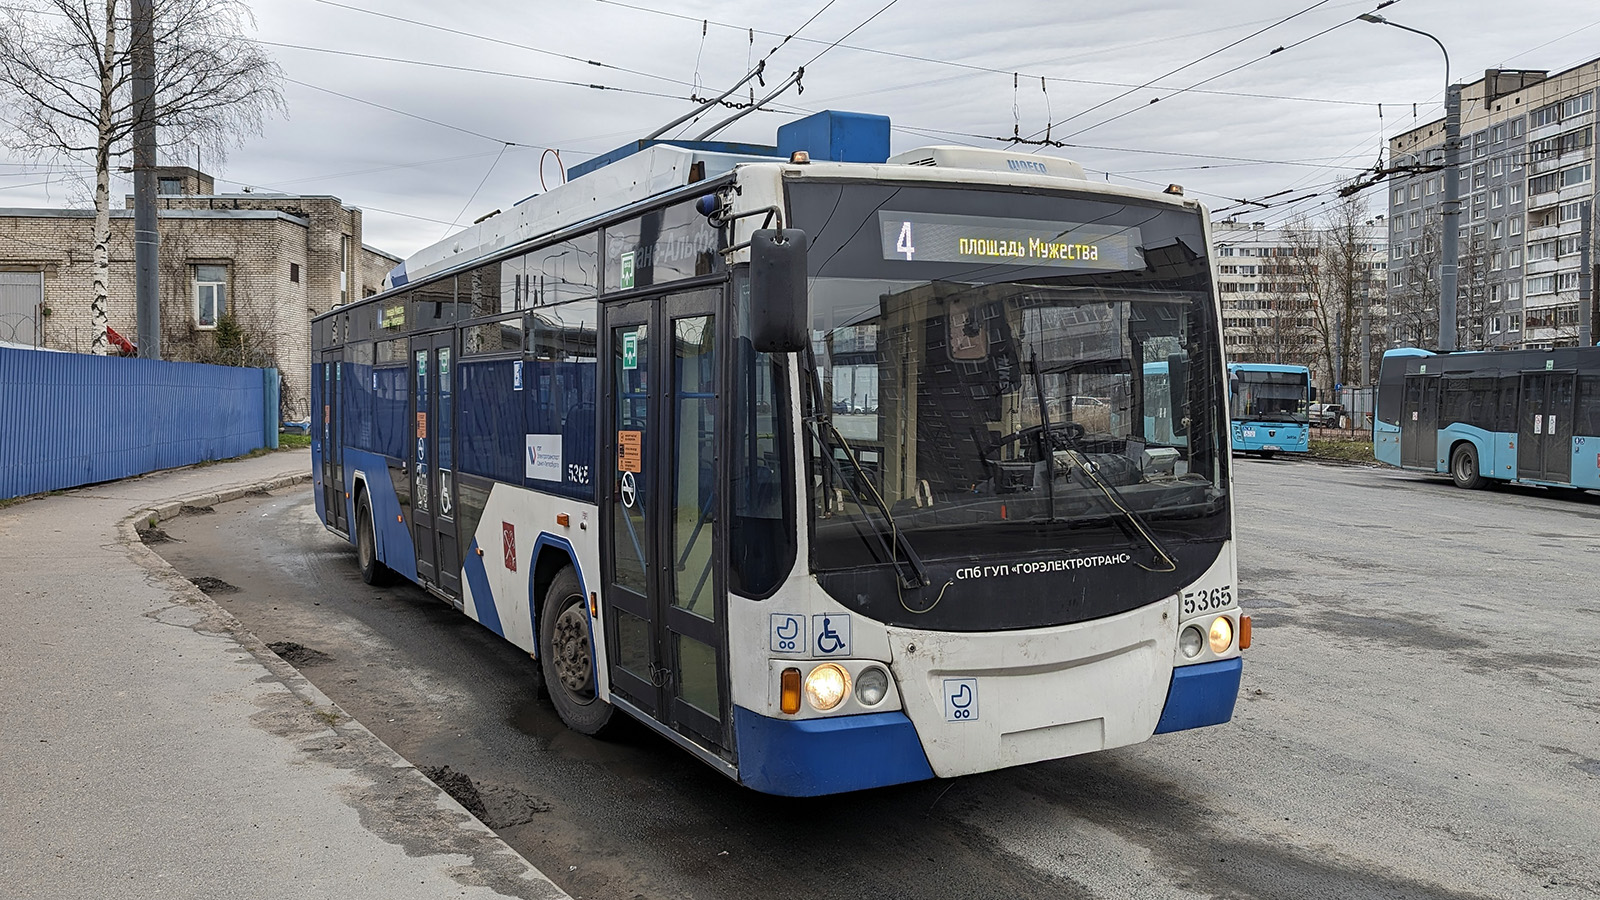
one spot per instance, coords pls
(1296, 120)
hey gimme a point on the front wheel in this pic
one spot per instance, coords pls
(1464, 468)
(566, 658)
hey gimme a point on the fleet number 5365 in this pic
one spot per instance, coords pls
(1207, 599)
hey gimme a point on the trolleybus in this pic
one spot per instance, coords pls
(835, 470)
(1270, 407)
(1523, 416)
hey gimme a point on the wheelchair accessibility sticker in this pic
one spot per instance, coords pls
(961, 699)
(833, 635)
(788, 633)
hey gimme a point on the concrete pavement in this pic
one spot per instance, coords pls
(150, 747)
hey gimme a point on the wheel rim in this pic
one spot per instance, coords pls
(1464, 466)
(364, 550)
(569, 652)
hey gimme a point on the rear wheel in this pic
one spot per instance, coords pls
(373, 571)
(566, 657)
(1464, 468)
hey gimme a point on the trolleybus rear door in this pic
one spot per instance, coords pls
(1419, 422)
(1544, 427)
(666, 609)
(433, 519)
(330, 375)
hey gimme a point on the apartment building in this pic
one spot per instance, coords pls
(265, 263)
(1294, 294)
(1526, 175)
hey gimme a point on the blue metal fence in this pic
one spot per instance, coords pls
(68, 419)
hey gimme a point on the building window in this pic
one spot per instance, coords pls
(1516, 127)
(1569, 212)
(1497, 198)
(294, 273)
(1494, 325)
(169, 186)
(1498, 133)
(1497, 230)
(1430, 186)
(1567, 281)
(1516, 193)
(1416, 191)
(1514, 259)
(1577, 106)
(1398, 251)
(1497, 262)
(1514, 291)
(1399, 196)
(344, 269)
(210, 295)
(1541, 284)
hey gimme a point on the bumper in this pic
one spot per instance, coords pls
(811, 757)
(1201, 695)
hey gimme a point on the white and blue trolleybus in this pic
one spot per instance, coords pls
(837, 470)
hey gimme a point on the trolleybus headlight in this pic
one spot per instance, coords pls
(827, 686)
(1190, 641)
(1221, 634)
(871, 686)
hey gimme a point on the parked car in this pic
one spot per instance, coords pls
(1327, 415)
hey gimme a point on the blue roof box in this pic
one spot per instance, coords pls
(837, 136)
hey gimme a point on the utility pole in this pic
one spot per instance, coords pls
(146, 236)
(1366, 326)
(1452, 216)
(1586, 279)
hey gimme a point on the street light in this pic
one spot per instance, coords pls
(1452, 189)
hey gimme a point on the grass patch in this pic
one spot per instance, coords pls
(290, 441)
(1359, 451)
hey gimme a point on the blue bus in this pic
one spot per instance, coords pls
(1270, 405)
(1518, 416)
(824, 465)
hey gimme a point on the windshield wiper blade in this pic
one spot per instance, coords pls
(1119, 503)
(896, 542)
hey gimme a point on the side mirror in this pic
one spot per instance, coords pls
(1178, 392)
(1312, 395)
(778, 290)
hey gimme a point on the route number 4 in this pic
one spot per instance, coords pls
(903, 245)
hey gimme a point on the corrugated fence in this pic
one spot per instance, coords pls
(68, 419)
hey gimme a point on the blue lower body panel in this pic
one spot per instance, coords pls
(1201, 695)
(811, 757)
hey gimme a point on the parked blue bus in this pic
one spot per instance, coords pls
(1522, 416)
(1270, 405)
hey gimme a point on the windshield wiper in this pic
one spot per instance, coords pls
(1119, 503)
(896, 543)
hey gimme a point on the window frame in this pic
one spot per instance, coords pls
(219, 294)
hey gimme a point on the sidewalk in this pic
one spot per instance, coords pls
(152, 748)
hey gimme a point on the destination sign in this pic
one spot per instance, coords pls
(933, 237)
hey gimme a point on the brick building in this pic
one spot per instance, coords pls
(268, 261)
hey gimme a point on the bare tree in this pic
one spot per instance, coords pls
(66, 74)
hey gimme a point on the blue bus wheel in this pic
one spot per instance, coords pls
(1464, 468)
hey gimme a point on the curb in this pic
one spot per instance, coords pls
(396, 782)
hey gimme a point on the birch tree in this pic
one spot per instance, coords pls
(66, 75)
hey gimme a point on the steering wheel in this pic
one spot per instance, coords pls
(1062, 436)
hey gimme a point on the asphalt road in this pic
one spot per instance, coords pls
(1420, 718)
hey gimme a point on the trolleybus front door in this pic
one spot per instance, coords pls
(666, 611)
(1544, 427)
(1419, 422)
(433, 518)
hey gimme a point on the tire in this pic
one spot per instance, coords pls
(373, 571)
(1464, 468)
(566, 659)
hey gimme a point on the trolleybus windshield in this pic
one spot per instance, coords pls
(980, 360)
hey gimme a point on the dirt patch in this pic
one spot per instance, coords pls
(213, 586)
(460, 787)
(189, 510)
(258, 492)
(154, 535)
(299, 655)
